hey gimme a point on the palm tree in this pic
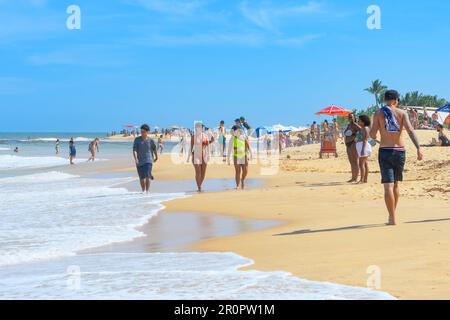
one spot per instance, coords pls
(377, 90)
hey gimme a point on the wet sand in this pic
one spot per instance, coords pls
(333, 231)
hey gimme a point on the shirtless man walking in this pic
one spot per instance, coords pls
(391, 122)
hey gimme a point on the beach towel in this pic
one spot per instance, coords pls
(391, 123)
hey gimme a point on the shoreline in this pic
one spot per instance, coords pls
(327, 230)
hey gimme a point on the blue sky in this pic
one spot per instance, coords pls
(171, 62)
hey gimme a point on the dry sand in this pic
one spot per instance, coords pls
(335, 231)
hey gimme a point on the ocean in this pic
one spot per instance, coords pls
(49, 217)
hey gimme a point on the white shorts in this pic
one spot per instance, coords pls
(368, 149)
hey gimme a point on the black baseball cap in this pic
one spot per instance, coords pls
(391, 95)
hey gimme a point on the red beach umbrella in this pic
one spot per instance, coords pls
(447, 120)
(334, 111)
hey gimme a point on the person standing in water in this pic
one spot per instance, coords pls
(160, 144)
(57, 146)
(72, 151)
(200, 153)
(93, 149)
(390, 121)
(240, 148)
(350, 137)
(144, 156)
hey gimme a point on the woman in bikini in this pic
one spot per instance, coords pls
(200, 153)
(350, 137)
(240, 147)
(363, 147)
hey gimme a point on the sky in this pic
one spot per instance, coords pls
(173, 62)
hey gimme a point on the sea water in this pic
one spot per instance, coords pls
(47, 218)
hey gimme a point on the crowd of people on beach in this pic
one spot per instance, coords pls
(199, 152)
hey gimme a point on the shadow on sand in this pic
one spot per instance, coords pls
(326, 184)
(357, 227)
(309, 231)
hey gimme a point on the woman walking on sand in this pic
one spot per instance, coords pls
(363, 147)
(240, 147)
(200, 153)
(350, 137)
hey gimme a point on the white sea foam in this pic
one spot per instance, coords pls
(15, 162)
(163, 276)
(4, 149)
(77, 139)
(8, 162)
(52, 215)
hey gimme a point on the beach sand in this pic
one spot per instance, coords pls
(334, 231)
(328, 230)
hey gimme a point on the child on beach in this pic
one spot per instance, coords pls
(363, 147)
(72, 151)
(390, 121)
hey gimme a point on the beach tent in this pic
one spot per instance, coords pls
(444, 109)
(334, 111)
(280, 127)
(266, 129)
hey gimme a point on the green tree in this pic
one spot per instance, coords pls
(377, 89)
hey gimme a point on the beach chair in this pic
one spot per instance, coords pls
(328, 146)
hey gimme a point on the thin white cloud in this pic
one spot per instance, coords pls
(298, 41)
(84, 56)
(15, 86)
(202, 39)
(226, 39)
(33, 3)
(174, 7)
(265, 15)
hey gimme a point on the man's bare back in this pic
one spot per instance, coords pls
(391, 139)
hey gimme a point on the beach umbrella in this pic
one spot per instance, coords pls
(334, 111)
(130, 126)
(444, 109)
(447, 120)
